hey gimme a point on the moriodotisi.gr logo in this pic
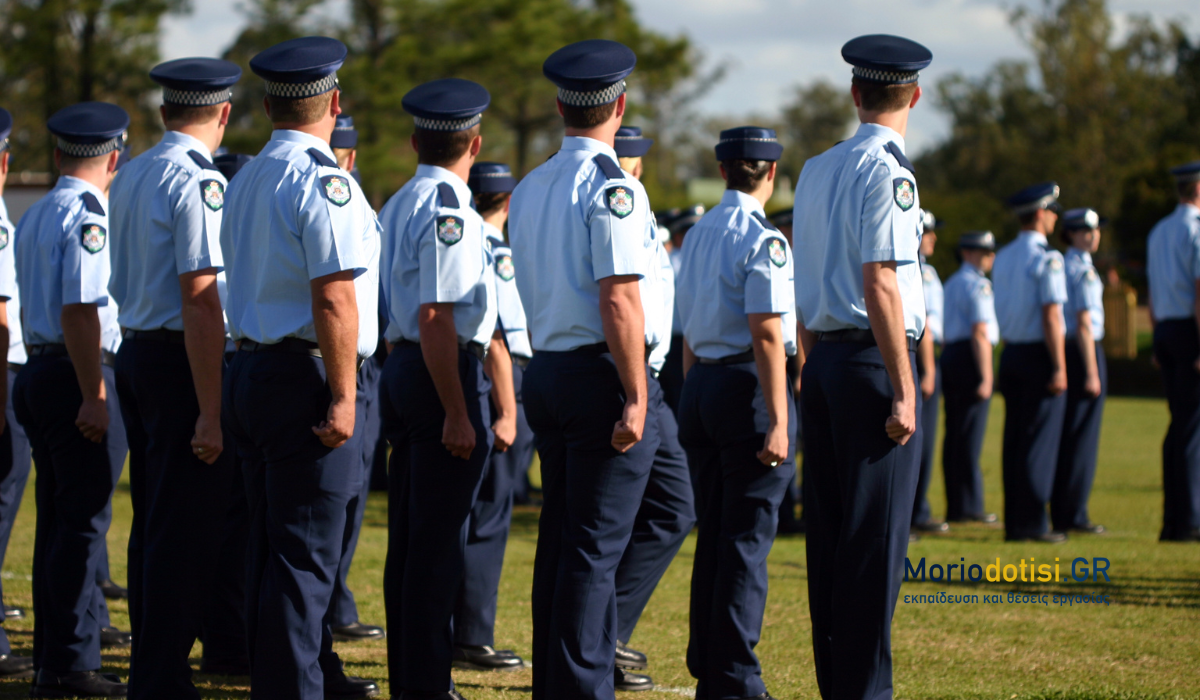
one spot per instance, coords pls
(905, 193)
(337, 189)
(93, 237)
(504, 268)
(620, 201)
(449, 229)
(213, 193)
(777, 252)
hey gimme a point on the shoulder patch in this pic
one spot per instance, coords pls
(200, 160)
(777, 251)
(1055, 263)
(504, 267)
(92, 203)
(985, 289)
(321, 158)
(1091, 273)
(448, 196)
(336, 189)
(620, 200)
(3, 237)
(900, 157)
(93, 237)
(764, 221)
(213, 193)
(449, 229)
(611, 170)
(904, 192)
(927, 275)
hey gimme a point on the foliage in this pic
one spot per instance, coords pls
(818, 117)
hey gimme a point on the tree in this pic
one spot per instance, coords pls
(818, 117)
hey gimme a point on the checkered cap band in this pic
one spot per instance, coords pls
(298, 91)
(485, 175)
(447, 124)
(1034, 205)
(1185, 178)
(885, 76)
(592, 99)
(189, 98)
(91, 150)
(744, 140)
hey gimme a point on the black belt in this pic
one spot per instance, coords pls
(520, 361)
(162, 335)
(295, 346)
(602, 348)
(858, 335)
(107, 358)
(740, 358)
(14, 367)
(479, 350)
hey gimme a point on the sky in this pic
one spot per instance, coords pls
(772, 46)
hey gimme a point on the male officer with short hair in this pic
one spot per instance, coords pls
(301, 247)
(928, 376)
(586, 226)
(60, 396)
(861, 311)
(1030, 292)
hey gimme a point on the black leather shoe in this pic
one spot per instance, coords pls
(77, 684)
(1052, 537)
(631, 682)
(1090, 528)
(225, 667)
(14, 613)
(985, 518)
(931, 526)
(357, 632)
(485, 658)
(1190, 535)
(113, 638)
(630, 658)
(350, 688)
(112, 591)
(12, 666)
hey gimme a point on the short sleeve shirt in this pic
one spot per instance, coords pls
(1173, 263)
(1028, 275)
(969, 300)
(1085, 292)
(8, 287)
(508, 297)
(931, 285)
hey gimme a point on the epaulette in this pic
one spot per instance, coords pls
(900, 157)
(200, 160)
(446, 192)
(92, 203)
(763, 220)
(610, 169)
(321, 158)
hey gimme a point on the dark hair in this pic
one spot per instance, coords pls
(1187, 190)
(1028, 217)
(487, 203)
(186, 115)
(66, 162)
(588, 117)
(304, 111)
(745, 175)
(884, 97)
(443, 148)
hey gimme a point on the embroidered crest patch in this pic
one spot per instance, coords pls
(985, 289)
(905, 193)
(1091, 274)
(93, 237)
(213, 193)
(777, 252)
(927, 275)
(504, 268)
(620, 201)
(3, 238)
(337, 189)
(1056, 263)
(449, 229)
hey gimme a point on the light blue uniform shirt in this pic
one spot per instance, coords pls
(435, 253)
(1085, 292)
(508, 297)
(289, 219)
(969, 300)
(856, 204)
(1173, 264)
(8, 287)
(575, 226)
(62, 258)
(935, 304)
(1027, 275)
(165, 212)
(734, 265)
(659, 287)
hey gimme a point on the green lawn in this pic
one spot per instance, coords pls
(1146, 644)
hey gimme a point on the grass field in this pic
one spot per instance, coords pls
(1145, 645)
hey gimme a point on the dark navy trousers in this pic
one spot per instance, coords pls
(722, 423)
(224, 626)
(75, 482)
(1033, 420)
(297, 491)
(487, 533)
(430, 495)
(966, 425)
(861, 492)
(178, 506)
(118, 448)
(1177, 347)
(664, 519)
(929, 423)
(592, 497)
(15, 463)
(1079, 446)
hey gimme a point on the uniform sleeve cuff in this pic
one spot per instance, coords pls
(330, 267)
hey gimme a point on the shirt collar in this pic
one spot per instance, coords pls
(884, 132)
(971, 269)
(436, 172)
(1036, 236)
(303, 140)
(1084, 256)
(494, 233)
(737, 198)
(186, 141)
(1194, 210)
(583, 143)
(68, 182)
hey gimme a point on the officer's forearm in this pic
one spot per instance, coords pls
(499, 369)
(625, 330)
(807, 339)
(689, 359)
(81, 333)
(439, 347)
(1087, 344)
(885, 312)
(1052, 328)
(925, 352)
(982, 348)
(335, 318)
(204, 337)
(766, 333)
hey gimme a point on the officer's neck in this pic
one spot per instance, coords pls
(896, 121)
(605, 133)
(498, 218)
(209, 134)
(95, 175)
(322, 130)
(461, 167)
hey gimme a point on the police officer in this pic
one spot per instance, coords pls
(631, 145)
(60, 396)
(301, 249)
(860, 306)
(167, 206)
(441, 300)
(491, 186)
(585, 226)
(970, 335)
(1087, 376)
(1030, 292)
(1173, 267)
(927, 374)
(736, 416)
(677, 222)
(789, 524)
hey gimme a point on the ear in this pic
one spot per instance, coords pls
(335, 105)
(507, 202)
(476, 145)
(915, 98)
(112, 161)
(267, 107)
(162, 113)
(412, 140)
(4, 163)
(857, 96)
(771, 172)
(620, 111)
(353, 157)
(559, 104)
(58, 160)
(724, 175)
(225, 111)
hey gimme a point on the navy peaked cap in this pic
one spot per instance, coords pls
(1187, 173)
(230, 163)
(89, 129)
(1082, 218)
(300, 68)
(929, 222)
(783, 217)
(683, 218)
(883, 58)
(449, 104)
(344, 133)
(590, 73)
(630, 143)
(196, 82)
(749, 143)
(490, 177)
(1043, 195)
(977, 240)
(6, 125)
